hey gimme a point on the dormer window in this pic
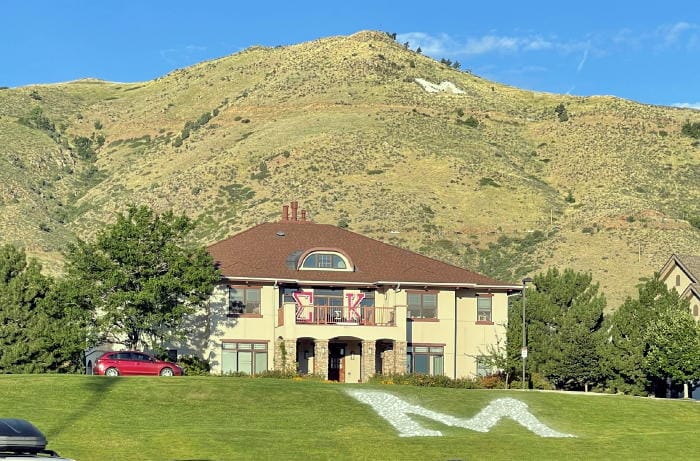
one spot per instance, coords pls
(325, 260)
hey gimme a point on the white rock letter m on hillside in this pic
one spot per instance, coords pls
(397, 411)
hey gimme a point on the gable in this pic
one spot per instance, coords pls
(686, 265)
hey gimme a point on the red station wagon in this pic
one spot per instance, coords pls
(134, 363)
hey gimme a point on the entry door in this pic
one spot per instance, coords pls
(336, 362)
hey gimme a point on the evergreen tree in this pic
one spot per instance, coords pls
(564, 313)
(141, 277)
(34, 329)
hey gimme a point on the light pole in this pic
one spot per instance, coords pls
(523, 351)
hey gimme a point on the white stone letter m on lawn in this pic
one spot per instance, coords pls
(397, 411)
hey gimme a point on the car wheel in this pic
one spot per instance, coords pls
(111, 372)
(166, 372)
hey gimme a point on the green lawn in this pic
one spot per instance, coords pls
(214, 418)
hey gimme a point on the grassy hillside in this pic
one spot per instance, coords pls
(342, 125)
(213, 418)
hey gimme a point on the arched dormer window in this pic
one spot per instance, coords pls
(326, 260)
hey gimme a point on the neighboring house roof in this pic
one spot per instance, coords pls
(693, 290)
(271, 251)
(690, 264)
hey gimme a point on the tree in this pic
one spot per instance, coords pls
(141, 278)
(561, 112)
(649, 339)
(563, 317)
(673, 349)
(34, 330)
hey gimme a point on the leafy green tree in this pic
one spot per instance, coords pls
(673, 349)
(141, 276)
(564, 313)
(649, 339)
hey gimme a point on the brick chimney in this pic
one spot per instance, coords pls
(295, 205)
(303, 215)
(285, 213)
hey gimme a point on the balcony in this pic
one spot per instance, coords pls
(345, 315)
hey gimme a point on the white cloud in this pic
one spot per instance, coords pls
(429, 44)
(687, 105)
(583, 60)
(443, 44)
(674, 33)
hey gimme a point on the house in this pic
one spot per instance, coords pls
(334, 303)
(682, 273)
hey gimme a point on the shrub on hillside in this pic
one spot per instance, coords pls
(694, 221)
(561, 112)
(691, 129)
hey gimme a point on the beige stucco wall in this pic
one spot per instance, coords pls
(670, 279)
(211, 326)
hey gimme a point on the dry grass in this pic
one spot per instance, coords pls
(341, 125)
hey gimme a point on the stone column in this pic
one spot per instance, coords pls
(321, 358)
(369, 349)
(400, 357)
(285, 355)
(388, 361)
(290, 346)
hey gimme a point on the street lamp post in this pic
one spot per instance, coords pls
(523, 351)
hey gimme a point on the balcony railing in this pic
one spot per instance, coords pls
(344, 315)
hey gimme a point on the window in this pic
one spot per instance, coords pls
(243, 300)
(695, 310)
(678, 280)
(422, 305)
(368, 300)
(483, 366)
(249, 358)
(426, 360)
(325, 261)
(484, 308)
(288, 294)
(328, 297)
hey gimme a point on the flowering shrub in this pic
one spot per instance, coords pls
(491, 382)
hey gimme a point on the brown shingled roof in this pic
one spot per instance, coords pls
(691, 264)
(268, 251)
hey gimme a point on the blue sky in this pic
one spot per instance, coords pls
(648, 53)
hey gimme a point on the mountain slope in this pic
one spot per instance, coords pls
(487, 177)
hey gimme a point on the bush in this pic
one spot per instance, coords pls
(540, 382)
(194, 366)
(470, 121)
(561, 112)
(492, 382)
(279, 374)
(691, 130)
(694, 221)
(417, 379)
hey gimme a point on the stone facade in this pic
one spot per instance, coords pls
(321, 358)
(285, 354)
(368, 360)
